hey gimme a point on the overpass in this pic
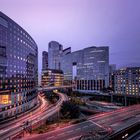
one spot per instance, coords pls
(54, 87)
(35, 119)
(108, 123)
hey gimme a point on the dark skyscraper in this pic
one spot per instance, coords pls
(55, 51)
(44, 60)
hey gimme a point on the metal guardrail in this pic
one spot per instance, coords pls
(115, 134)
(134, 135)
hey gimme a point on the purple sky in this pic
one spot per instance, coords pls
(80, 24)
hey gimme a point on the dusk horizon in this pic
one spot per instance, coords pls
(95, 23)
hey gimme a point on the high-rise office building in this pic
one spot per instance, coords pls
(18, 68)
(55, 51)
(127, 81)
(53, 75)
(44, 60)
(89, 68)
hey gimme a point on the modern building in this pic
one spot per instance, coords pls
(18, 69)
(87, 68)
(66, 51)
(52, 77)
(44, 60)
(112, 68)
(127, 81)
(55, 51)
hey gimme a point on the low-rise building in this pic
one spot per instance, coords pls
(52, 77)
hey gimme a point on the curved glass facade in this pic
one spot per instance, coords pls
(18, 66)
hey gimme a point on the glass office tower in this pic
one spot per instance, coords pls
(88, 68)
(55, 51)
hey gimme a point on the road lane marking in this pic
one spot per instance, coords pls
(2, 130)
(74, 138)
(97, 124)
(85, 126)
(50, 137)
(61, 134)
(91, 124)
(78, 129)
(70, 131)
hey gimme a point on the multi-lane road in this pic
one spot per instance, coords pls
(38, 116)
(111, 122)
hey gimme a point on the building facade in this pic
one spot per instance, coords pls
(55, 51)
(112, 69)
(18, 69)
(52, 77)
(44, 60)
(127, 81)
(88, 68)
(66, 51)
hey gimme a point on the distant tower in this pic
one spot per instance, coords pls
(55, 51)
(44, 60)
(112, 68)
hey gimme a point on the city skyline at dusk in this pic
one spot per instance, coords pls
(69, 69)
(96, 23)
